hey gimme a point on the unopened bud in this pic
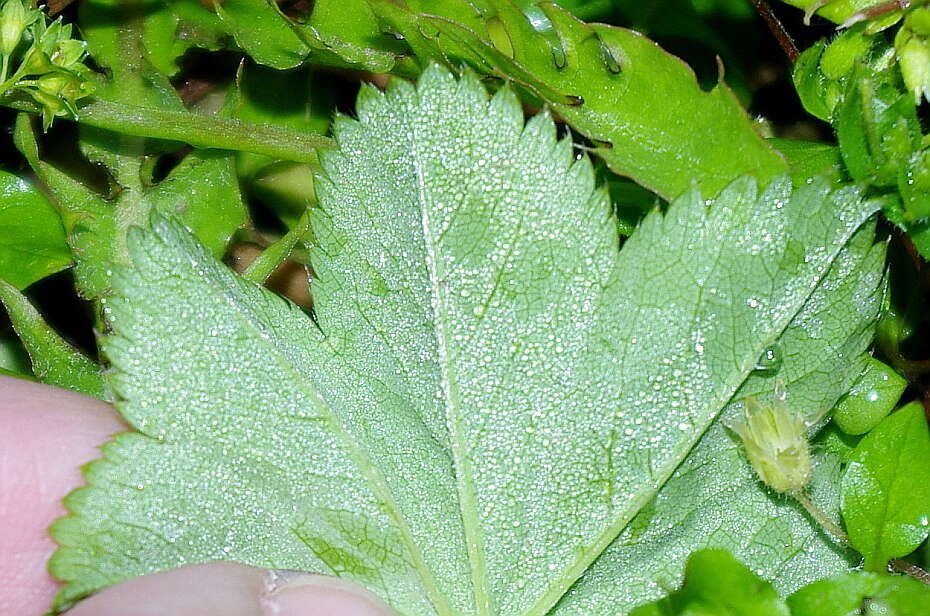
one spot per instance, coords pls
(842, 54)
(912, 44)
(54, 84)
(52, 106)
(14, 19)
(775, 441)
(36, 62)
(68, 53)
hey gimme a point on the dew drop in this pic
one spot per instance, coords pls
(769, 361)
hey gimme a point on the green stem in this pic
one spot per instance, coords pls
(7, 84)
(269, 259)
(821, 517)
(197, 130)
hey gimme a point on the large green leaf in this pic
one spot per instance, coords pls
(489, 392)
(607, 83)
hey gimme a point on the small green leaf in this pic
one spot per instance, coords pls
(32, 240)
(807, 159)
(877, 127)
(886, 497)
(817, 94)
(717, 583)
(871, 398)
(860, 592)
(202, 193)
(54, 361)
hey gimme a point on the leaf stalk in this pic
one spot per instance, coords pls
(839, 535)
(200, 131)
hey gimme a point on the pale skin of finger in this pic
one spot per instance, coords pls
(229, 589)
(46, 435)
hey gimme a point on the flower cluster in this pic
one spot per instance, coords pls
(45, 62)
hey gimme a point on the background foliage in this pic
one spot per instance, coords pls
(213, 114)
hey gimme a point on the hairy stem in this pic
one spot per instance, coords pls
(821, 517)
(902, 566)
(197, 130)
(781, 35)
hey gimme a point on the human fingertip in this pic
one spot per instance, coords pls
(230, 589)
(292, 593)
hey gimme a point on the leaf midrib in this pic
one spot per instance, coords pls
(586, 558)
(463, 476)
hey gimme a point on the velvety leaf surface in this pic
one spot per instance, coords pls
(714, 500)
(886, 499)
(489, 392)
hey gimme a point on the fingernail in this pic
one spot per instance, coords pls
(295, 593)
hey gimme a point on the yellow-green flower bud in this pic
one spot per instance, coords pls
(36, 62)
(64, 85)
(14, 19)
(912, 45)
(55, 83)
(68, 53)
(775, 441)
(52, 106)
(841, 55)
